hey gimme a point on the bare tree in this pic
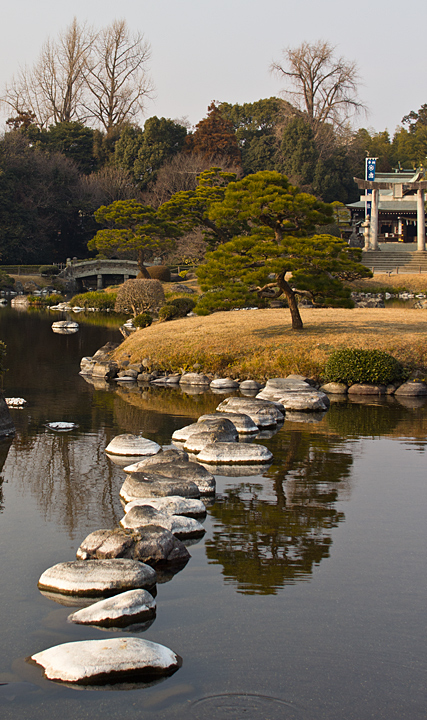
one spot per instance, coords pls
(53, 89)
(117, 80)
(181, 172)
(324, 87)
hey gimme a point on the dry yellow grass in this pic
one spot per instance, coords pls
(412, 282)
(261, 343)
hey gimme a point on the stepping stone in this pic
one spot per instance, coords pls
(262, 412)
(142, 515)
(224, 384)
(124, 609)
(15, 402)
(213, 423)
(309, 401)
(61, 426)
(225, 453)
(105, 661)
(194, 379)
(334, 388)
(162, 457)
(172, 505)
(132, 445)
(243, 423)
(97, 577)
(151, 545)
(412, 389)
(180, 471)
(365, 389)
(139, 485)
(199, 439)
(250, 386)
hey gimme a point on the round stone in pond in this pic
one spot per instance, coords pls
(173, 505)
(243, 423)
(61, 426)
(179, 525)
(307, 401)
(124, 609)
(132, 445)
(224, 384)
(140, 485)
(97, 577)
(180, 471)
(225, 453)
(106, 661)
(152, 545)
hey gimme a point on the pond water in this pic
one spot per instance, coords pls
(304, 600)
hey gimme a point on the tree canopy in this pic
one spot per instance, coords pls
(133, 230)
(276, 237)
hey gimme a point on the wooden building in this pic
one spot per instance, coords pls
(397, 213)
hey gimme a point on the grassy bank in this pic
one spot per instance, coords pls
(260, 343)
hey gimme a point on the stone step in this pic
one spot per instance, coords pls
(383, 261)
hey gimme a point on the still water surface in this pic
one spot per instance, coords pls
(305, 599)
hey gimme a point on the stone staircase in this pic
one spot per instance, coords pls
(383, 261)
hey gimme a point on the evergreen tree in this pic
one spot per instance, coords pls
(276, 224)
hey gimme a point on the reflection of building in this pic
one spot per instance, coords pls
(397, 208)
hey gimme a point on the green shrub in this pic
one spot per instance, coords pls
(142, 320)
(48, 270)
(183, 304)
(5, 280)
(159, 272)
(98, 300)
(353, 365)
(168, 312)
(53, 299)
(219, 299)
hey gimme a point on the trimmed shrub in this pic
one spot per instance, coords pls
(139, 296)
(142, 320)
(5, 280)
(183, 304)
(159, 272)
(353, 365)
(168, 312)
(94, 299)
(48, 270)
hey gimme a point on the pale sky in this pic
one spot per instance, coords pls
(204, 50)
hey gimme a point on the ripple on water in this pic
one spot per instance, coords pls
(248, 706)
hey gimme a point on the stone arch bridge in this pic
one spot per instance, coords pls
(97, 274)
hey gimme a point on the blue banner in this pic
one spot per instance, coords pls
(370, 165)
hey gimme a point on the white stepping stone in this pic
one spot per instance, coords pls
(97, 577)
(172, 505)
(178, 525)
(224, 384)
(129, 607)
(132, 445)
(243, 423)
(156, 486)
(15, 402)
(61, 426)
(107, 660)
(313, 401)
(263, 413)
(181, 471)
(223, 453)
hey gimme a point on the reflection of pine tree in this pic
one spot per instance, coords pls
(264, 546)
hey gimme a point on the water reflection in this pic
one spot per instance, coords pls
(264, 543)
